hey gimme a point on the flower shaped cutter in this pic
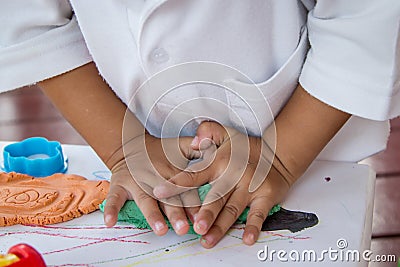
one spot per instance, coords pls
(35, 156)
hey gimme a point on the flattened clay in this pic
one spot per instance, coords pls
(293, 221)
(53, 199)
(131, 213)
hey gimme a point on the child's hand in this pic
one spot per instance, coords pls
(237, 181)
(146, 161)
(104, 121)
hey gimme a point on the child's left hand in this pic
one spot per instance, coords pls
(237, 181)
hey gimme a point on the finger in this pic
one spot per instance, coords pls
(178, 151)
(115, 200)
(226, 181)
(220, 188)
(178, 184)
(208, 153)
(191, 213)
(228, 216)
(208, 214)
(194, 176)
(190, 198)
(145, 174)
(220, 191)
(236, 166)
(259, 209)
(176, 215)
(191, 202)
(209, 130)
(200, 143)
(226, 171)
(151, 211)
(230, 161)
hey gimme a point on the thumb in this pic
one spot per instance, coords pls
(208, 132)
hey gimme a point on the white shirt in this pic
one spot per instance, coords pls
(352, 64)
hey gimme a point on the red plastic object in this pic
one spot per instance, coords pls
(28, 256)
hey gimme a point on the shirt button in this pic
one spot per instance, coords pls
(159, 55)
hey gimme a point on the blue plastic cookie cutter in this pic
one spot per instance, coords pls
(35, 156)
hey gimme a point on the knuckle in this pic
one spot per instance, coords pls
(217, 199)
(173, 215)
(152, 216)
(257, 214)
(112, 196)
(209, 214)
(174, 202)
(190, 176)
(142, 196)
(232, 209)
(117, 192)
(219, 229)
(185, 178)
(220, 202)
(268, 191)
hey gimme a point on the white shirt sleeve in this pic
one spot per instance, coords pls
(38, 40)
(354, 60)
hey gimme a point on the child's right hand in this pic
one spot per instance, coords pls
(145, 162)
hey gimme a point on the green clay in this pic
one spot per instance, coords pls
(131, 213)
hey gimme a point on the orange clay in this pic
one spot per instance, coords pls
(53, 199)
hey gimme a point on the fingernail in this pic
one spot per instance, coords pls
(250, 238)
(201, 225)
(159, 226)
(207, 240)
(179, 225)
(195, 141)
(107, 219)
